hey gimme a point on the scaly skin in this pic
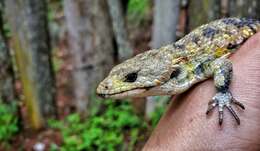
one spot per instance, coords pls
(174, 68)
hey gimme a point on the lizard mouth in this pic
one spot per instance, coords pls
(137, 92)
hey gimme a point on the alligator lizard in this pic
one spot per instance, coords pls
(174, 68)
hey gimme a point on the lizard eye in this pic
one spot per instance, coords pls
(131, 77)
(175, 73)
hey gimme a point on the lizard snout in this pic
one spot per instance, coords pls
(100, 91)
(102, 88)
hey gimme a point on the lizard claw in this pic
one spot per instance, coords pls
(222, 100)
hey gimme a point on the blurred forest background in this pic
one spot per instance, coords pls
(53, 53)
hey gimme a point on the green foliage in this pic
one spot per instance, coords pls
(7, 30)
(54, 147)
(137, 10)
(114, 126)
(8, 121)
(54, 6)
(156, 115)
(161, 103)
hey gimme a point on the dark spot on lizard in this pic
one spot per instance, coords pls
(199, 69)
(251, 23)
(195, 39)
(209, 32)
(227, 79)
(230, 21)
(242, 23)
(232, 46)
(224, 88)
(239, 23)
(179, 46)
(252, 28)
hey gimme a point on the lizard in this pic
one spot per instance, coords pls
(174, 68)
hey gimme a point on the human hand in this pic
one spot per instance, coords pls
(185, 126)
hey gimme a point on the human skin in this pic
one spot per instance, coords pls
(186, 127)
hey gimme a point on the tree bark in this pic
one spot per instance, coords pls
(203, 11)
(248, 8)
(7, 91)
(91, 45)
(31, 46)
(166, 15)
(116, 11)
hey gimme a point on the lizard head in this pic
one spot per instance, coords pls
(137, 75)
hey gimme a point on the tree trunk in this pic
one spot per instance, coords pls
(116, 11)
(248, 8)
(203, 11)
(166, 16)
(90, 40)
(31, 46)
(7, 91)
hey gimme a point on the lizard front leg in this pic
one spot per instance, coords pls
(222, 72)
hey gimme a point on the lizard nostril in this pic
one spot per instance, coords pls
(106, 87)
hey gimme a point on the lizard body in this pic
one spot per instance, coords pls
(174, 68)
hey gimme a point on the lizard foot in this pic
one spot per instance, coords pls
(224, 99)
